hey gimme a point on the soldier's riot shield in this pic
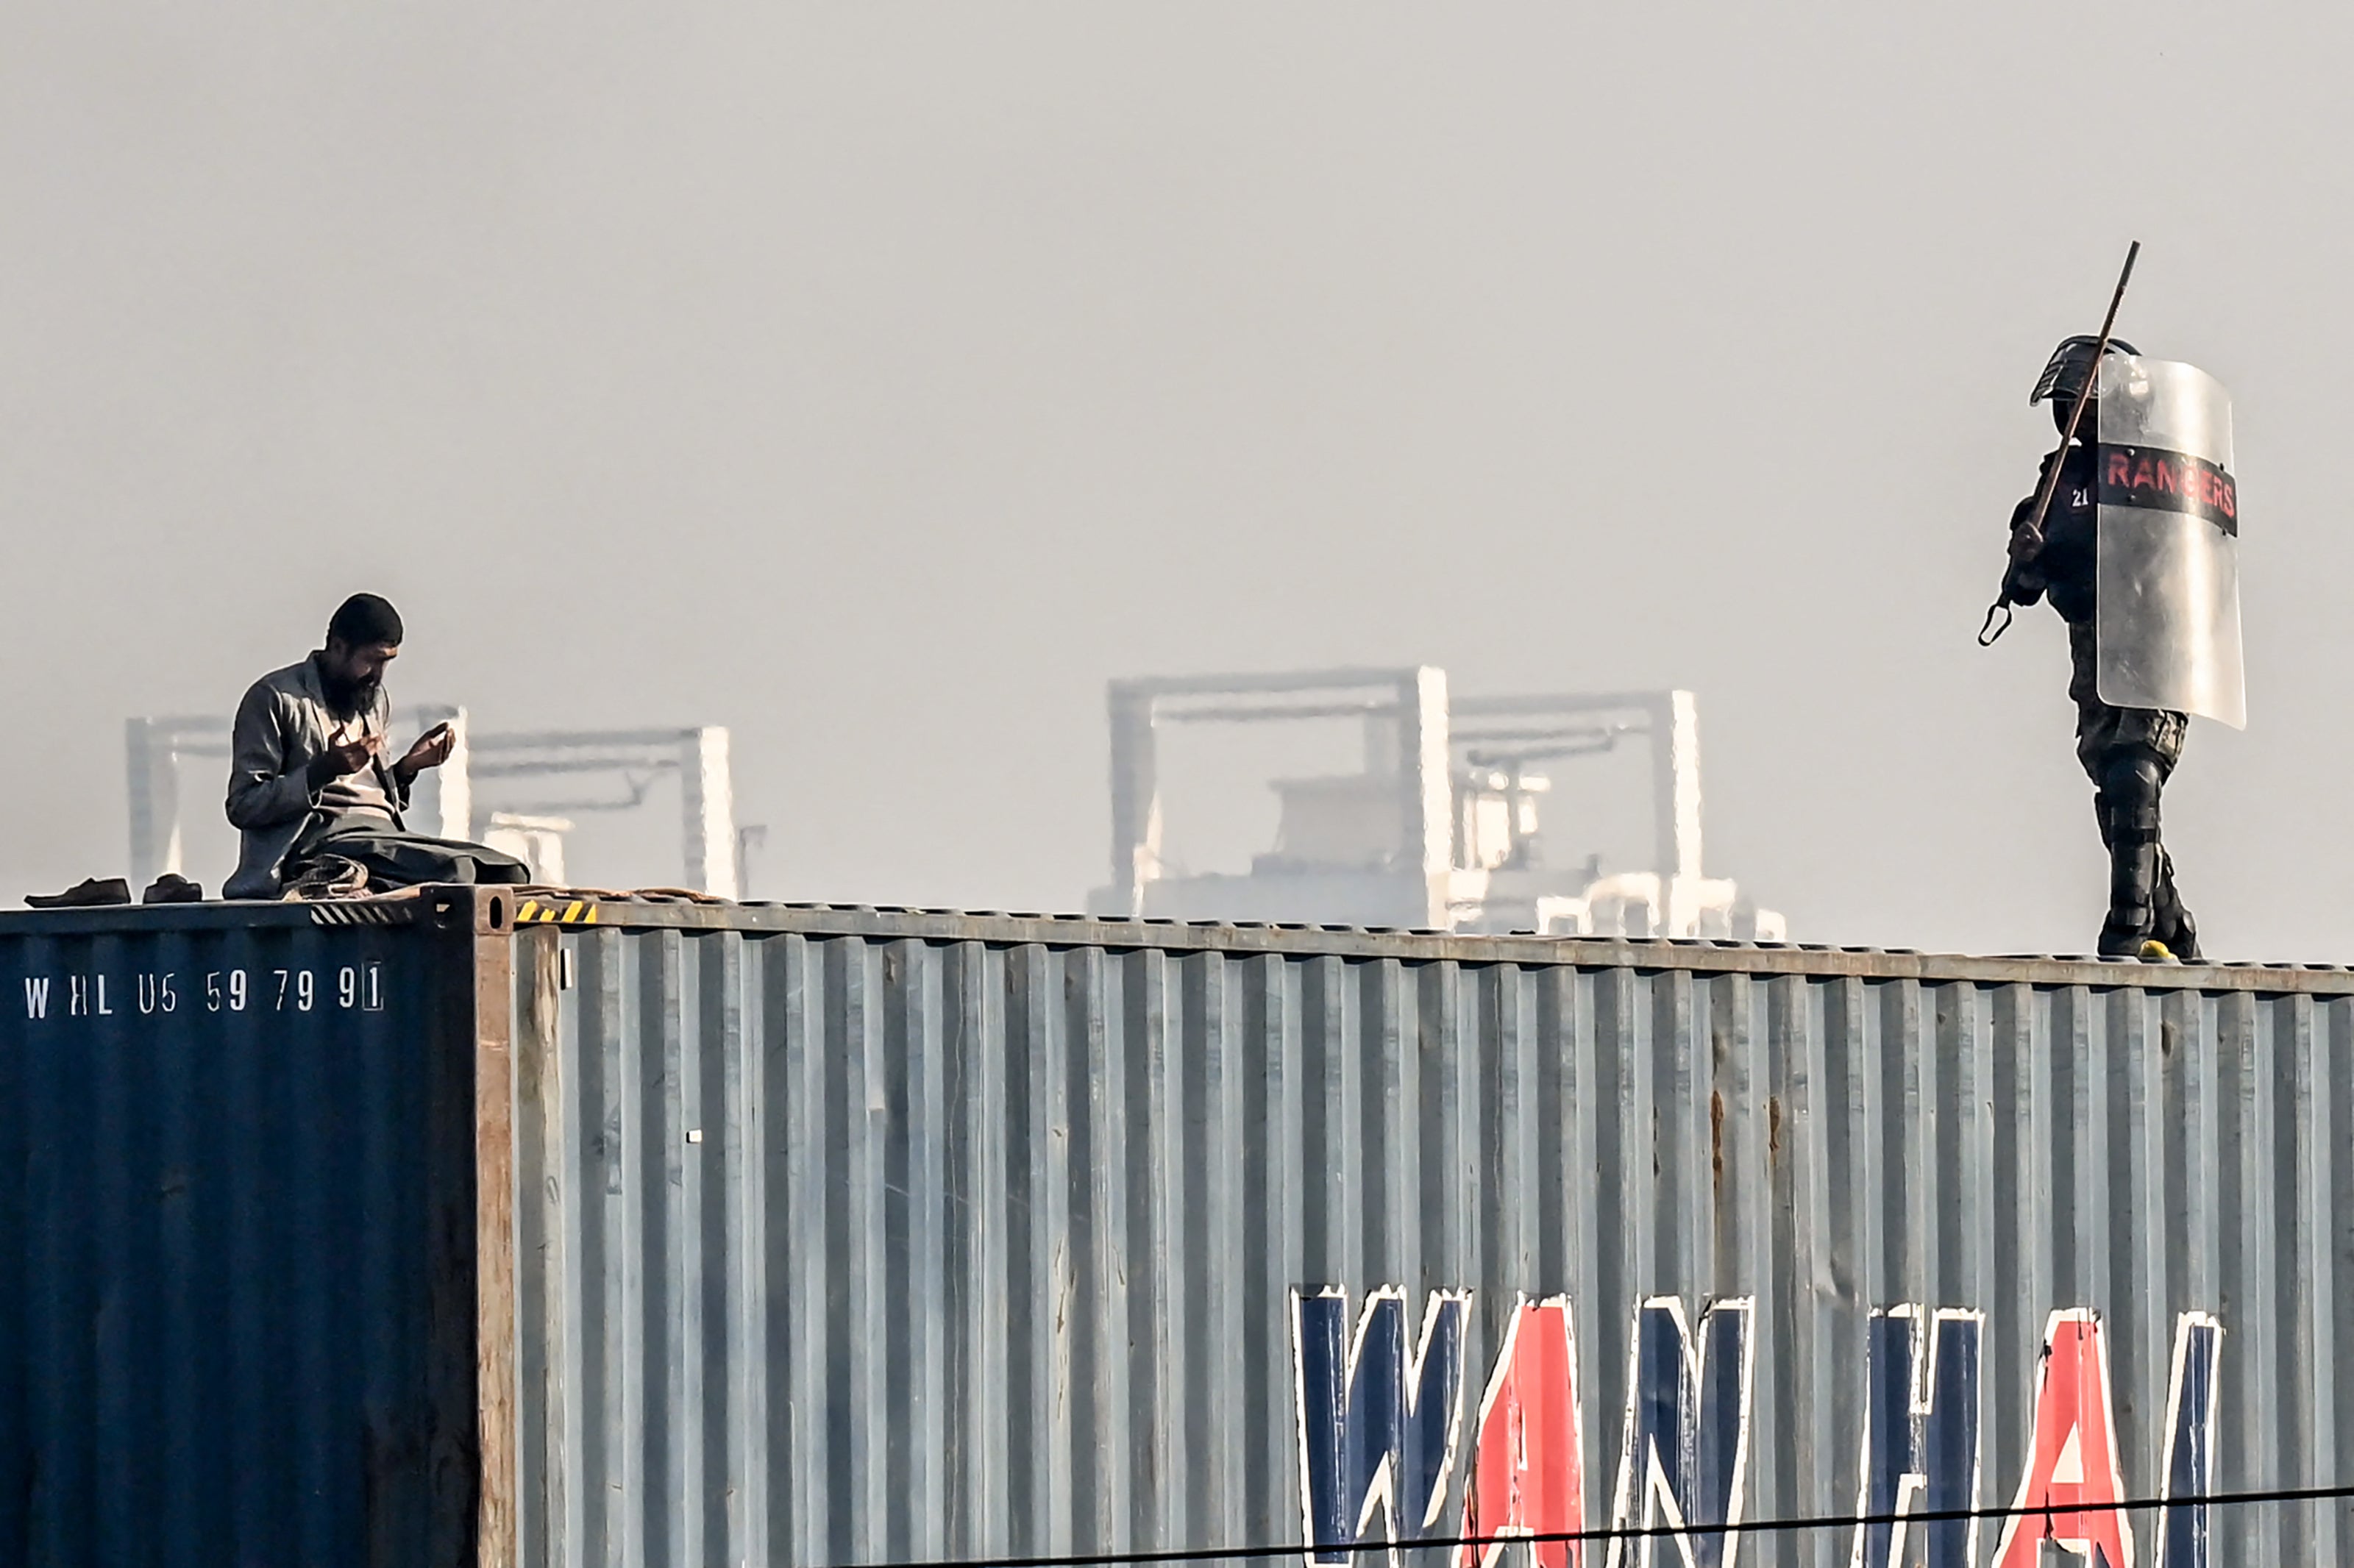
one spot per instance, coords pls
(2169, 586)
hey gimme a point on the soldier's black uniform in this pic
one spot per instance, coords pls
(2128, 753)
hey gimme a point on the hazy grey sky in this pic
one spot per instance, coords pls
(880, 379)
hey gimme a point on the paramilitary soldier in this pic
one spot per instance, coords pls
(2138, 557)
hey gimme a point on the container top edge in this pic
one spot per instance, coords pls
(493, 910)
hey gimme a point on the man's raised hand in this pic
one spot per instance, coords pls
(431, 750)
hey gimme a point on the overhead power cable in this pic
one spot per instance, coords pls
(1915, 1517)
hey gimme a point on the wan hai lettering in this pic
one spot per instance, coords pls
(1385, 1450)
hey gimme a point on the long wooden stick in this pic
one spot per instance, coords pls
(2027, 539)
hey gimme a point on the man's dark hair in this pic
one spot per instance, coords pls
(364, 620)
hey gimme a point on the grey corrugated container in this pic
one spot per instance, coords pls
(840, 1236)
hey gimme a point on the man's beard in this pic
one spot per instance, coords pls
(349, 699)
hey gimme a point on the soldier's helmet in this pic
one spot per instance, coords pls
(2070, 369)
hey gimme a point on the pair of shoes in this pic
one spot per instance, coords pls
(327, 877)
(173, 888)
(95, 893)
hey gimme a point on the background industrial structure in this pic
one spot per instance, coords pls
(494, 788)
(1439, 828)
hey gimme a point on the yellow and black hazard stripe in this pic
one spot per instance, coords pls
(557, 912)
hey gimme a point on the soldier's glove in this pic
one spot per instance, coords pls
(2023, 584)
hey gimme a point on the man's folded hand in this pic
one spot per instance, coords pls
(342, 758)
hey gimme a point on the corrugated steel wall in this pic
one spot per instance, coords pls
(843, 1246)
(236, 1231)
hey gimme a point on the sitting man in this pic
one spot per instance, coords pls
(317, 806)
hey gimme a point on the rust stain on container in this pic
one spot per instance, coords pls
(1716, 1137)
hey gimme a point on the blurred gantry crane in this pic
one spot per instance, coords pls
(1439, 828)
(504, 782)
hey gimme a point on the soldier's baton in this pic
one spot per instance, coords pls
(2028, 537)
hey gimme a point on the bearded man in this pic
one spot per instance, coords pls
(317, 806)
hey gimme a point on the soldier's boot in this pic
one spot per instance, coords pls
(2132, 915)
(2129, 786)
(2171, 923)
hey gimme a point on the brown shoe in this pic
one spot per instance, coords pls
(88, 895)
(173, 888)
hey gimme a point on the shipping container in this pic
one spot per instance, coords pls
(486, 1229)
